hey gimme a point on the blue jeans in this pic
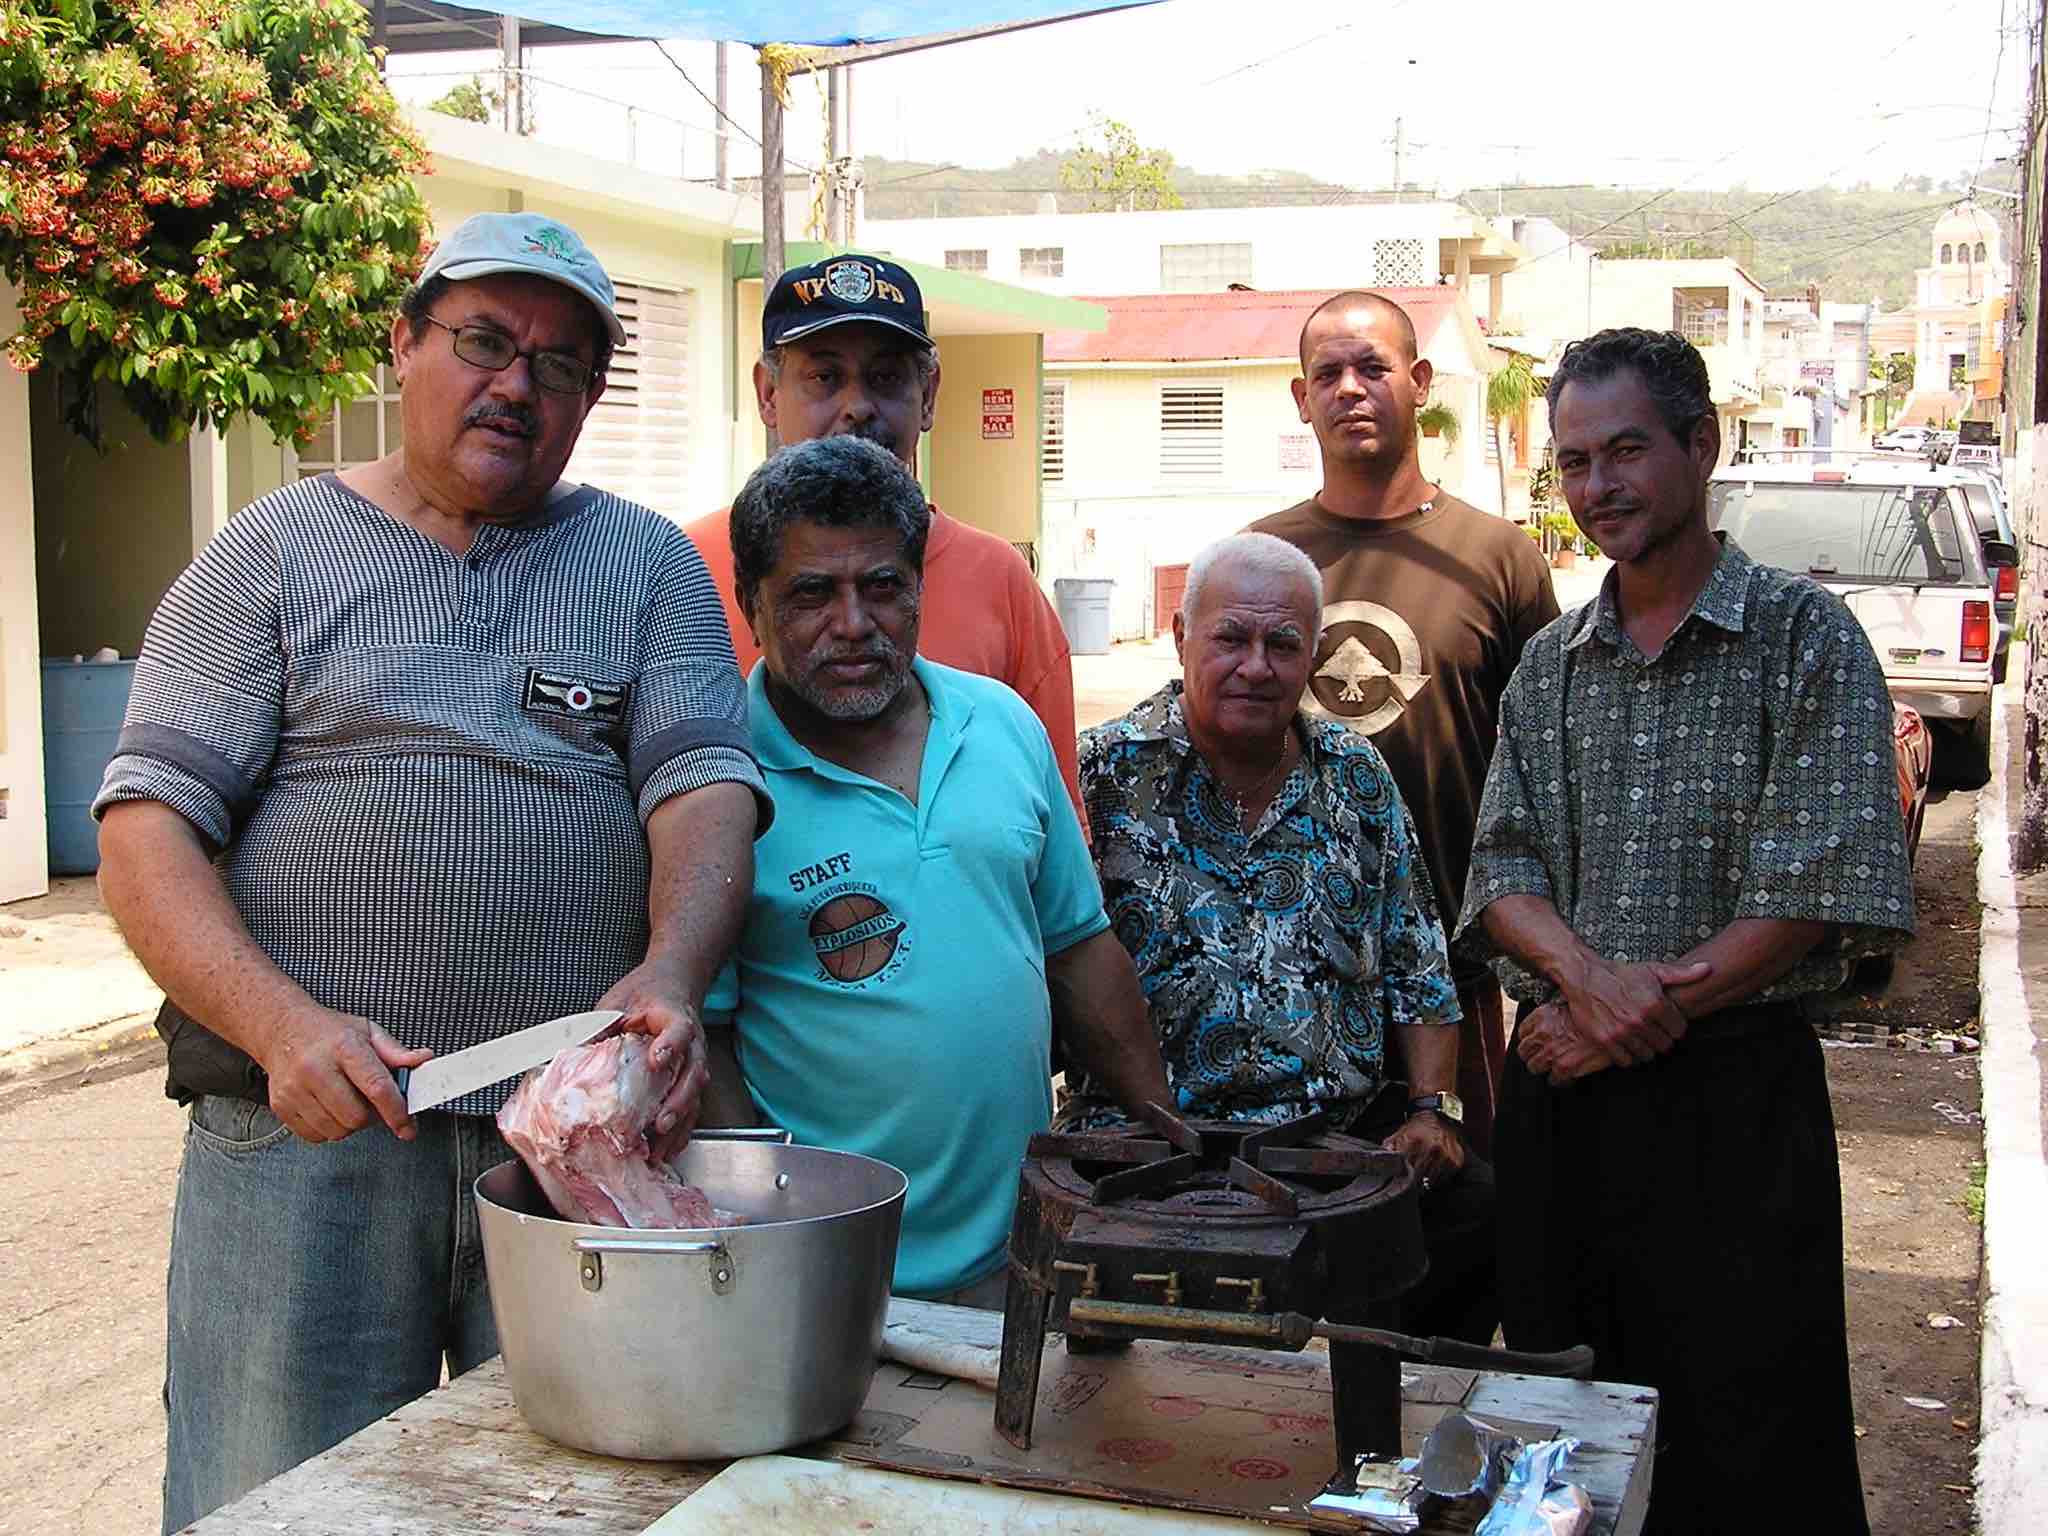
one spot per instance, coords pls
(312, 1290)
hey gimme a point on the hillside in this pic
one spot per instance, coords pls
(1854, 243)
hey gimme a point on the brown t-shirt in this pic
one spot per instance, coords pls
(1424, 618)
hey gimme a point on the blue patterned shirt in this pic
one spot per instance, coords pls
(1273, 963)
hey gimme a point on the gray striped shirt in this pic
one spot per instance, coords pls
(427, 773)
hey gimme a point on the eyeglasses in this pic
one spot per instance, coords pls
(480, 346)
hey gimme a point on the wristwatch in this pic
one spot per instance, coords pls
(1449, 1105)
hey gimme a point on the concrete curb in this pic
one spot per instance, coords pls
(95, 1053)
(2012, 1449)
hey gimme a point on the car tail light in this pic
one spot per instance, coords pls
(2008, 588)
(1976, 631)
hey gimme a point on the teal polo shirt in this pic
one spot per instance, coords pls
(890, 995)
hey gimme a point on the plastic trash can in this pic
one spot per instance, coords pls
(1083, 604)
(83, 702)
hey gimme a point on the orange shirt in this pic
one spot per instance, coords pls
(983, 612)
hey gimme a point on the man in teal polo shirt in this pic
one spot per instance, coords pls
(925, 918)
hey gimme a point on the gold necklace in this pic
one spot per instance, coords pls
(1245, 802)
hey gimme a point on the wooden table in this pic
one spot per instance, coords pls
(461, 1460)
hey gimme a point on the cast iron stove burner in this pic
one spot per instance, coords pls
(1217, 1168)
(1205, 1232)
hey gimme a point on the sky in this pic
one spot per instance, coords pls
(1765, 94)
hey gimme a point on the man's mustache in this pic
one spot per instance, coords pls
(508, 413)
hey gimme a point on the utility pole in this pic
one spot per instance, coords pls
(722, 171)
(508, 58)
(1397, 159)
(834, 206)
(771, 178)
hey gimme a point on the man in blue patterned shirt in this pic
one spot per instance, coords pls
(1261, 869)
(1690, 823)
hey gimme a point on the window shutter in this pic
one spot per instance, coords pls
(635, 441)
(1052, 432)
(1190, 429)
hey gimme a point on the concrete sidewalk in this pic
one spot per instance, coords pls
(2012, 1449)
(72, 988)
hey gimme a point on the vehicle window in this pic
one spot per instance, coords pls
(1876, 533)
(1983, 510)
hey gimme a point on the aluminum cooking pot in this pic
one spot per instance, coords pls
(675, 1345)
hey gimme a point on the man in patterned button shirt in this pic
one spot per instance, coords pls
(1690, 823)
(1261, 868)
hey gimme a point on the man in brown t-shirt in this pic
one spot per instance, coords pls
(1427, 603)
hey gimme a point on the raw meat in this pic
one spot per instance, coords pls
(580, 1124)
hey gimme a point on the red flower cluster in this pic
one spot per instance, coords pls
(160, 164)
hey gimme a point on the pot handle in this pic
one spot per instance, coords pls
(590, 1253)
(770, 1133)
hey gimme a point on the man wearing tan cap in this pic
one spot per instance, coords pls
(845, 351)
(418, 754)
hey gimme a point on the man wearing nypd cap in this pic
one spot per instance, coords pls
(845, 350)
(418, 754)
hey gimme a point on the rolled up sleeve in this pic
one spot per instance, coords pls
(689, 725)
(203, 714)
(1828, 842)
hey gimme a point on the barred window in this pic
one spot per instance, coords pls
(967, 261)
(1190, 429)
(1042, 261)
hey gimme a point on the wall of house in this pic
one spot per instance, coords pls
(1114, 515)
(1110, 253)
(24, 851)
(113, 527)
(990, 483)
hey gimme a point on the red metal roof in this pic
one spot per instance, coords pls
(1206, 327)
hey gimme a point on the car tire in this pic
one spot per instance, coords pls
(1967, 762)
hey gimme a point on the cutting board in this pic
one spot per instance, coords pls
(794, 1497)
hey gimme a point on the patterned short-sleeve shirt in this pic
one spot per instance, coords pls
(1746, 770)
(1273, 963)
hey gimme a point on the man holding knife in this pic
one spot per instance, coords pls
(417, 755)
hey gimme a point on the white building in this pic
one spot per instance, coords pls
(1564, 291)
(1209, 250)
(1814, 367)
(1177, 425)
(1953, 326)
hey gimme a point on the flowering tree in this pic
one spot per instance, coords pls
(206, 204)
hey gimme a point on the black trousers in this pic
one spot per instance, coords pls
(1457, 1298)
(1685, 1219)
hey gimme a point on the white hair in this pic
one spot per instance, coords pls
(1259, 552)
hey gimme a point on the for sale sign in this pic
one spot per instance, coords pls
(998, 414)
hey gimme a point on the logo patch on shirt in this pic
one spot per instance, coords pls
(1371, 668)
(580, 698)
(856, 937)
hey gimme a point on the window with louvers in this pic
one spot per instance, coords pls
(1190, 429)
(636, 440)
(1052, 432)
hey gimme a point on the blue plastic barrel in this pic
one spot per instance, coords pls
(83, 702)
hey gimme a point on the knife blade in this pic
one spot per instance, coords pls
(459, 1072)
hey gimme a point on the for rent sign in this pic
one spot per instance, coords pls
(998, 414)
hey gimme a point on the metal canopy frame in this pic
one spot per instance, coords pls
(426, 26)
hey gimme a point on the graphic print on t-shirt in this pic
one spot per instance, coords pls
(859, 941)
(1368, 667)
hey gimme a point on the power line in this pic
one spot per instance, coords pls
(736, 125)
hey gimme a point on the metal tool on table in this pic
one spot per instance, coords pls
(449, 1077)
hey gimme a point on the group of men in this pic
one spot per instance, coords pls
(443, 745)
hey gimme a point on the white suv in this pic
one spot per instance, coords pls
(1894, 538)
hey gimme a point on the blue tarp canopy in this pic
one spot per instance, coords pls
(791, 21)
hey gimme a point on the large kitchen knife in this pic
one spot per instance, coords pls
(459, 1072)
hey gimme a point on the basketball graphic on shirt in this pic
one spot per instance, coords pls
(855, 935)
(1368, 667)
